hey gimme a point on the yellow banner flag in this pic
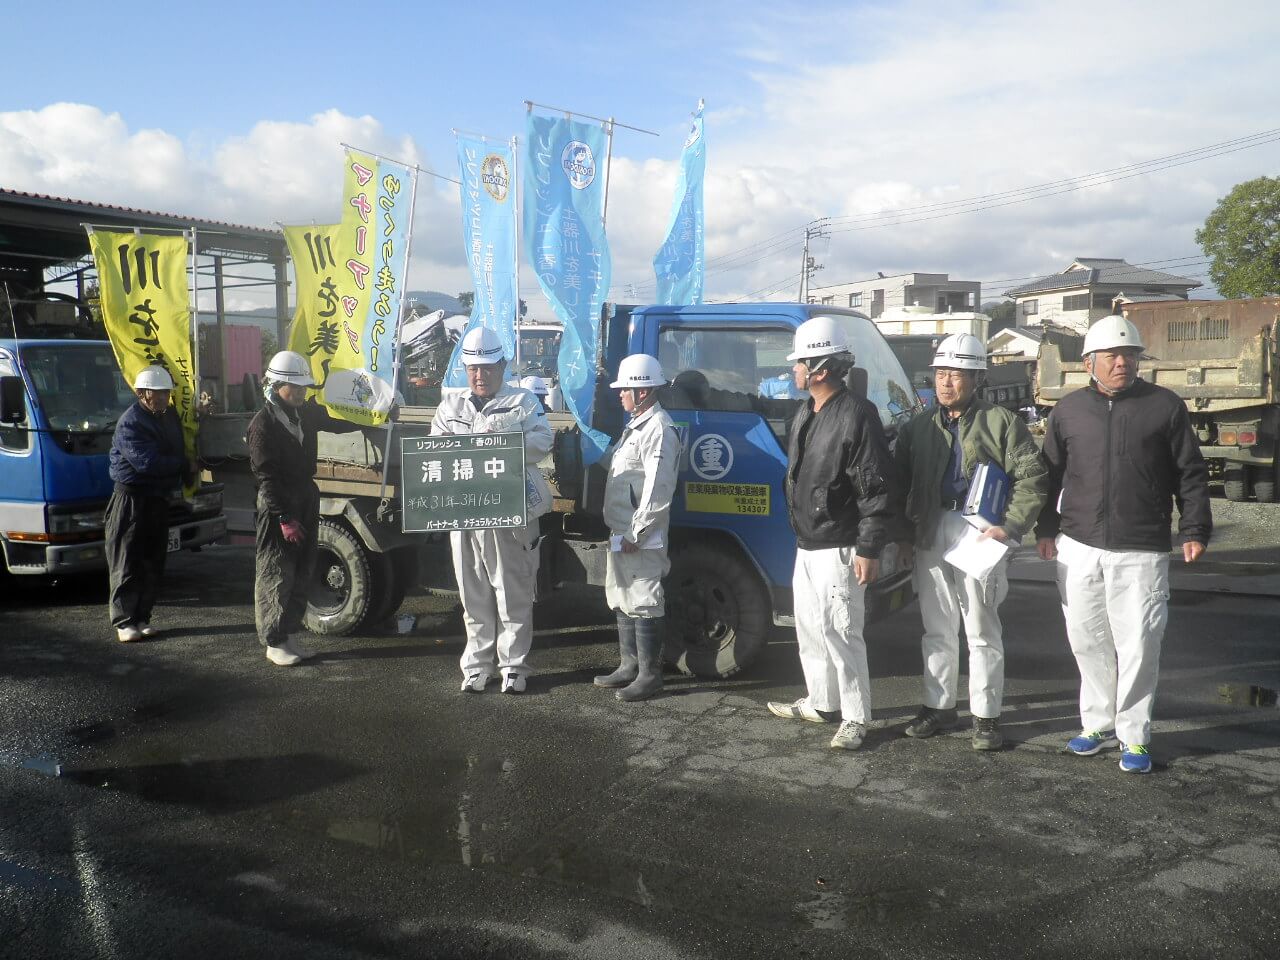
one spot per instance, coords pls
(146, 307)
(349, 278)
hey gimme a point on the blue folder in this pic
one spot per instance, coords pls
(988, 496)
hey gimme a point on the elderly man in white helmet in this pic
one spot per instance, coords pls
(497, 569)
(839, 477)
(637, 507)
(1121, 452)
(147, 465)
(937, 454)
(282, 456)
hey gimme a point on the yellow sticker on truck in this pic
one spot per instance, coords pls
(748, 499)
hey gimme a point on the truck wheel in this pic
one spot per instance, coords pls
(1264, 482)
(400, 576)
(343, 583)
(718, 615)
(1235, 482)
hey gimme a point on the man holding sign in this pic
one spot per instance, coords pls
(938, 453)
(497, 569)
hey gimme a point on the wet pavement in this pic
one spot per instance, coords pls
(184, 796)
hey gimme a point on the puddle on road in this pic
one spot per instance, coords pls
(16, 875)
(1246, 695)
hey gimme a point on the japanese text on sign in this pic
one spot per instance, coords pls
(463, 481)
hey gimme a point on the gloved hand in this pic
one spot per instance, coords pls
(292, 531)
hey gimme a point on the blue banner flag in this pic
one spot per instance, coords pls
(566, 246)
(489, 237)
(679, 262)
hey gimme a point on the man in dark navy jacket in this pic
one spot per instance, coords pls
(147, 464)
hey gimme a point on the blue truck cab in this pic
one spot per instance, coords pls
(732, 396)
(59, 402)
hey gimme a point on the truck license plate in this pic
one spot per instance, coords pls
(175, 541)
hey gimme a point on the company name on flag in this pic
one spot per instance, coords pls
(565, 243)
(350, 279)
(489, 237)
(679, 263)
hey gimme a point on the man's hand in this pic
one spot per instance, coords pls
(629, 547)
(866, 569)
(994, 533)
(906, 555)
(1191, 551)
(1047, 548)
(292, 531)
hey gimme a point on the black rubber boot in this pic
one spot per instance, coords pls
(649, 652)
(627, 667)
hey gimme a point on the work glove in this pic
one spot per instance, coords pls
(292, 531)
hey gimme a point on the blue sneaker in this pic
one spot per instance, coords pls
(1090, 742)
(1134, 758)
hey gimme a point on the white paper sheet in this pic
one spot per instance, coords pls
(974, 556)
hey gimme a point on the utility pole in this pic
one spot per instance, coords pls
(815, 230)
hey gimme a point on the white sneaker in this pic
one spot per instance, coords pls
(282, 656)
(801, 710)
(147, 630)
(128, 633)
(850, 735)
(474, 682)
(513, 683)
(306, 653)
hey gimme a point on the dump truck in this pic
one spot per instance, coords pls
(731, 546)
(1219, 356)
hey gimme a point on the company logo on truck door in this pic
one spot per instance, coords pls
(495, 177)
(579, 164)
(711, 456)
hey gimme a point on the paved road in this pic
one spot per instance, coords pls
(183, 797)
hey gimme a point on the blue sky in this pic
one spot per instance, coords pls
(850, 110)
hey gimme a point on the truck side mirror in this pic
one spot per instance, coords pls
(13, 400)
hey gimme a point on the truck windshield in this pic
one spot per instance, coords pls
(538, 351)
(78, 385)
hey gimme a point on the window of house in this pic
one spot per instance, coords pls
(855, 299)
(1078, 301)
(828, 300)
(1030, 308)
(1103, 300)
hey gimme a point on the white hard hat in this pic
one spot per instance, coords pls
(638, 372)
(153, 378)
(961, 351)
(535, 385)
(289, 367)
(1111, 332)
(819, 337)
(481, 346)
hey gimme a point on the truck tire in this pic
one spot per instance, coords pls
(399, 575)
(718, 614)
(343, 583)
(1235, 482)
(1263, 480)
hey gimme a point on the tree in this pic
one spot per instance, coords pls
(1241, 237)
(467, 298)
(1003, 314)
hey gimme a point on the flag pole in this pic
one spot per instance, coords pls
(608, 165)
(517, 197)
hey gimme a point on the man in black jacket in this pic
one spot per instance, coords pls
(147, 466)
(838, 499)
(1119, 452)
(282, 456)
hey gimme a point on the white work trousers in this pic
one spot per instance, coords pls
(497, 574)
(1115, 604)
(829, 613)
(633, 582)
(947, 596)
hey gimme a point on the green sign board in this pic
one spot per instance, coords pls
(471, 481)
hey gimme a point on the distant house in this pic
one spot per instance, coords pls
(1014, 342)
(1088, 289)
(937, 291)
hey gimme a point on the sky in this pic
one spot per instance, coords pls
(885, 117)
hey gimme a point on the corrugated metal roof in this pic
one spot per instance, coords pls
(1109, 273)
(113, 209)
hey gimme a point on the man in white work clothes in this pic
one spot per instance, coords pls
(497, 569)
(1120, 452)
(637, 508)
(839, 472)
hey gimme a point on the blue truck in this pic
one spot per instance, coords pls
(732, 549)
(61, 393)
